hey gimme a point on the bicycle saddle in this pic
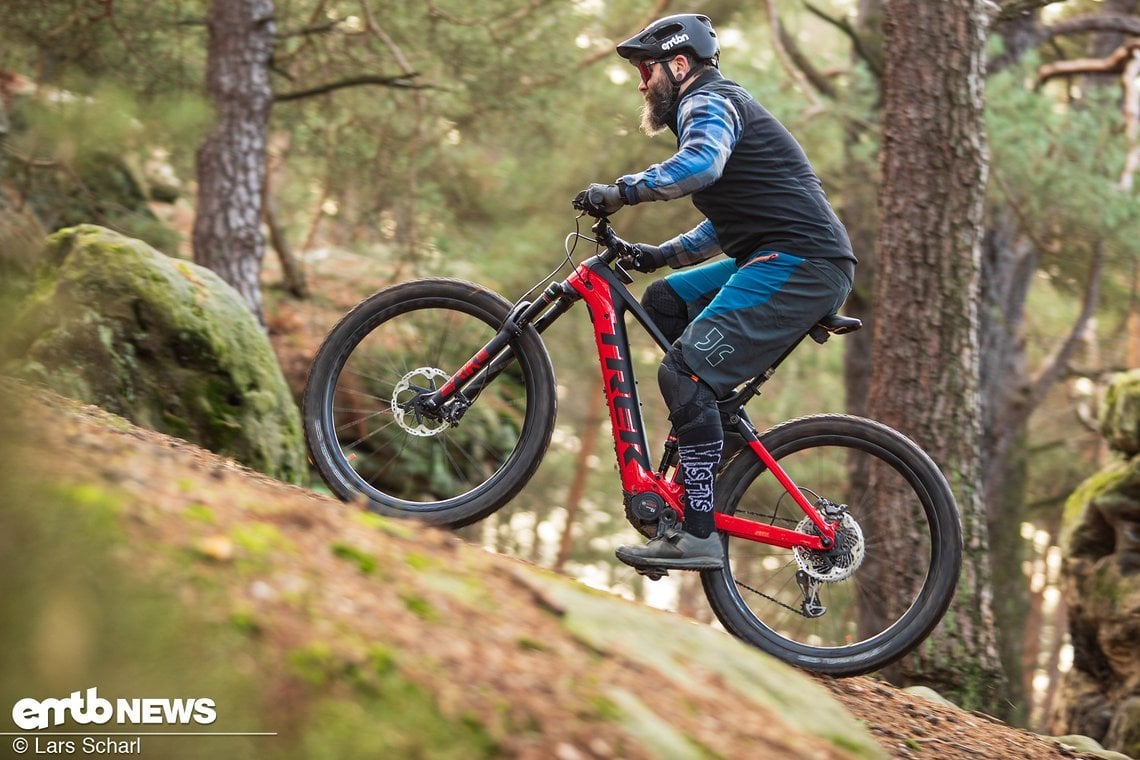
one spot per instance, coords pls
(834, 324)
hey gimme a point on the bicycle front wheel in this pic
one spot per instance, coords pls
(365, 441)
(892, 573)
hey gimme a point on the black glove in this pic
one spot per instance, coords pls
(599, 200)
(643, 257)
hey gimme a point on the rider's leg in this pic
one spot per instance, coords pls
(696, 420)
(762, 308)
(675, 301)
(666, 308)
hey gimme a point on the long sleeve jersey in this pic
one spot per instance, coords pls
(749, 177)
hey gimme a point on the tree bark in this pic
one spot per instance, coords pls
(858, 212)
(925, 354)
(227, 235)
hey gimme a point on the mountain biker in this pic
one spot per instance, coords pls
(789, 261)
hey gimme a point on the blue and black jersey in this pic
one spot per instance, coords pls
(747, 175)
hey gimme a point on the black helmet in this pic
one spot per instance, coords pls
(683, 33)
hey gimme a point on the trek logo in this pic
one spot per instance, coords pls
(713, 347)
(673, 41)
(88, 707)
(619, 387)
(466, 372)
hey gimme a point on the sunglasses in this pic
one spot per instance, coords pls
(646, 69)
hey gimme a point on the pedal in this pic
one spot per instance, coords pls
(652, 573)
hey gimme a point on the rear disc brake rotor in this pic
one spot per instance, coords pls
(837, 563)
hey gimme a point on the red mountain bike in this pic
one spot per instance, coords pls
(435, 399)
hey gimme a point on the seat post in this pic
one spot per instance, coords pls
(820, 331)
(751, 389)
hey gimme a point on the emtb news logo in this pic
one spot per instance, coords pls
(88, 708)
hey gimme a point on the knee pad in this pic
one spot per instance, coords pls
(667, 309)
(692, 403)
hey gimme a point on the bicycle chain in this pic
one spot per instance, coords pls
(758, 592)
(773, 599)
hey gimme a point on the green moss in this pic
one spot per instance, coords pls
(245, 622)
(386, 715)
(528, 644)
(370, 675)
(96, 497)
(365, 562)
(400, 721)
(605, 709)
(419, 561)
(258, 541)
(315, 663)
(419, 606)
(396, 528)
(201, 513)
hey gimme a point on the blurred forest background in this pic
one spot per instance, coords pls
(436, 137)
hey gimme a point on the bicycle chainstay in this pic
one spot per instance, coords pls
(772, 519)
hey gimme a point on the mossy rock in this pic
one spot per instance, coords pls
(1102, 583)
(163, 342)
(1120, 415)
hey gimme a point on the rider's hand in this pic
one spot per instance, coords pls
(599, 200)
(643, 257)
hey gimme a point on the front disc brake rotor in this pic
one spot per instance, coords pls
(411, 386)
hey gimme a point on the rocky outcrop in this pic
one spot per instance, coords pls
(1102, 584)
(161, 341)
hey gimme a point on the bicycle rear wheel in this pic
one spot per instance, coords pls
(365, 441)
(893, 571)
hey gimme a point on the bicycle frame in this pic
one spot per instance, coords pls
(608, 301)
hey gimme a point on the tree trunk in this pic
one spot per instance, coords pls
(925, 355)
(1009, 263)
(859, 215)
(227, 233)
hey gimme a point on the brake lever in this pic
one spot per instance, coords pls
(622, 275)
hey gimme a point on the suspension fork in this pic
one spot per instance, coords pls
(497, 354)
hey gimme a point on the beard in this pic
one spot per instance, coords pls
(657, 108)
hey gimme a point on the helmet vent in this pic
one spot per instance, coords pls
(663, 33)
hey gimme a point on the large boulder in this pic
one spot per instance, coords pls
(1102, 584)
(160, 341)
